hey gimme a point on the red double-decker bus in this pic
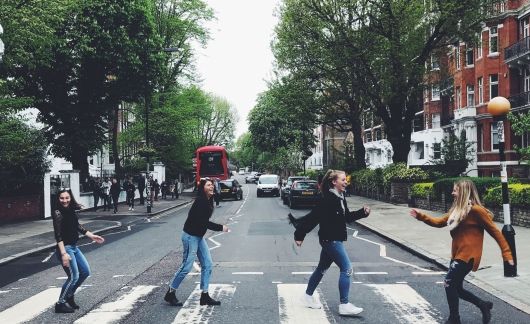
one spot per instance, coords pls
(212, 162)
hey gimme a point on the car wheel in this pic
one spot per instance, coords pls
(241, 196)
(291, 204)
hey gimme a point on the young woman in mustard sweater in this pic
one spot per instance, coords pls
(467, 219)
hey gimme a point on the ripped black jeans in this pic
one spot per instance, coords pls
(454, 289)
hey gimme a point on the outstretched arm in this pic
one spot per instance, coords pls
(429, 220)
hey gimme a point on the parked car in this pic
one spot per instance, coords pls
(284, 193)
(252, 177)
(231, 189)
(268, 184)
(242, 171)
(304, 192)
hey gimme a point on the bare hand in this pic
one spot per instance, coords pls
(414, 213)
(66, 260)
(510, 262)
(298, 243)
(225, 228)
(96, 238)
(366, 210)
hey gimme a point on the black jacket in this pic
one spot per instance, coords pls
(331, 217)
(198, 220)
(66, 226)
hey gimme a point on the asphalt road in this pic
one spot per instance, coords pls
(259, 275)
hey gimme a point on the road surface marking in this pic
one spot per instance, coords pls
(193, 312)
(408, 305)
(31, 307)
(114, 311)
(292, 309)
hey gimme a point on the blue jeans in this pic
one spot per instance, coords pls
(194, 246)
(77, 272)
(332, 251)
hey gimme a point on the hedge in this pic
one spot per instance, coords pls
(421, 190)
(519, 195)
(446, 185)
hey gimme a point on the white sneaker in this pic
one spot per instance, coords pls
(129, 208)
(132, 208)
(311, 302)
(349, 309)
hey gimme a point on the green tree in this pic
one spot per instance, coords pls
(456, 154)
(216, 125)
(520, 124)
(23, 159)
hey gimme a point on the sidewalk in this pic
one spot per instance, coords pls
(434, 244)
(21, 239)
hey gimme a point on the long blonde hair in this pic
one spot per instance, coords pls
(327, 181)
(467, 197)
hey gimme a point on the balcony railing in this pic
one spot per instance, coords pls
(520, 100)
(517, 50)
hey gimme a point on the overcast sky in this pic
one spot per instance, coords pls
(237, 60)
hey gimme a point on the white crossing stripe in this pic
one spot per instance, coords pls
(193, 312)
(31, 307)
(408, 305)
(292, 309)
(112, 312)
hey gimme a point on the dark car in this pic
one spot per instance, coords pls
(303, 192)
(231, 189)
(284, 192)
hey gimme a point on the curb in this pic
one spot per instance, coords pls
(105, 229)
(442, 263)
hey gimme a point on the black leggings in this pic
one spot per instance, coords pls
(454, 289)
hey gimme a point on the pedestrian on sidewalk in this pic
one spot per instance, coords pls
(105, 193)
(331, 214)
(194, 244)
(131, 192)
(156, 188)
(141, 188)
(467, 219)
(115, 193)
(217, 191)
(96, 193)
(66, 228)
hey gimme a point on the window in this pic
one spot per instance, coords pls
(437, 150)
(526, 78)
(469, 56)
(494, 85)
(525, 139)
(426, 95)
(458, 98)
(457, 57)
(494, 137)
(435, 92)
(479, 46)
(417, 122)
(435, 63)
(525, 30)
(378, 136)
(368, 136)
(419, 150)
(435, 120)
(480, 82)
(480, 136)
(470, 95)
(494, 39)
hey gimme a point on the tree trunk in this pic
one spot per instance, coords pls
(80, 162)
(115, 153)
(358, 146)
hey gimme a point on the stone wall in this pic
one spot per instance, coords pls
(20, 208)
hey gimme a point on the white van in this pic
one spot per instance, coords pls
(268, 184)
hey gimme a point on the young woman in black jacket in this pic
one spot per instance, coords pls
(331, 214)
(195, 227)
(66, 228)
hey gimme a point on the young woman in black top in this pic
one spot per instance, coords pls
(66, 228)
(194, 244)
(331, 214)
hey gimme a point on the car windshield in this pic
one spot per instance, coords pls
(291, 180)
(268, 180)
(226, 183)
(306, 185)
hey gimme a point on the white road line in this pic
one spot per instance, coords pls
(371, 273)
(382, 252)
(301, 272)
(292, 310)
(408, 305)
(428, 273)
(114, 311)
(193, 312)
(31, 307)
(247, 273)
(4, 291)
(217, 244)
(48, 257)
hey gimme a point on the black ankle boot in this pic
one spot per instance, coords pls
(207, 300)
(63, 308)
(453, 320)
(172, 299)
(485, 308)
(70, 301)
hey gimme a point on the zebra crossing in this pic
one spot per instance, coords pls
(404, 302)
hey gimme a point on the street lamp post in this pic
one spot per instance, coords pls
(1, 44)
(499, 108)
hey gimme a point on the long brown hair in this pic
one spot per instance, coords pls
(327, 181)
